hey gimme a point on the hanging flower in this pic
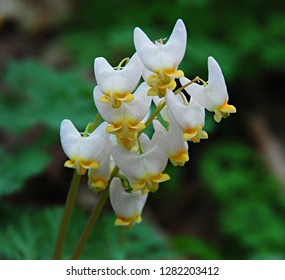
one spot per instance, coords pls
(83, 152)
(177, 146)
(98, 178)
(117, 84)
(212, 95)
(125, 121)
(144, 168)
(189, 116)
(161, 60)
(128, 206)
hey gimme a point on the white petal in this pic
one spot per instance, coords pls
(159, 127)
(159, 56)
(195, 91)
(155, 159)
(145, 142)
(129, 162)
(70, 139)
(185, 116)
(111, 80)
(145, 48)
(103, 70)
(176, 142)
(176, 45)
(108, 113)
(135, 110)
(177, 109)
(130, 75)
(139, 107)
(104, 170)
(125, 204)
(216, 89)
(174, 136)
(95, 145)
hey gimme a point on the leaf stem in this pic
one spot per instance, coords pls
(69, 204)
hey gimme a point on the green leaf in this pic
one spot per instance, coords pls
(16, 169)
(192, 247)
(33, 235)
(38, 95)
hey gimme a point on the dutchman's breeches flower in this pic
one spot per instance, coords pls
(98, 178)
(128, 206)
(189, 116)
(125, 121)
(177, 146)
(144, 168)
(212, 95)
(161, 60)
(84, 152)
(117, 84)
(119, 157)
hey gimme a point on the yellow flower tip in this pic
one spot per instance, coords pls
(116, 103)
(128, 142)
(179, 158)
(123, 222)
(200, 135)
(136, 127)
(114, 129)
(226, 108)
(151, 187)
(194, 134)
(152, 184)
(124, 96)
(174, 73)
(139, 185)
(89, 164)
(151, 92)
(171, 85)
(224, 111)
(70, 163)
(97, 184)
(189, 133)
(128, 222)
(218, 117)
(138, 219)
(104, 99)
(162, 177)
(144, 191)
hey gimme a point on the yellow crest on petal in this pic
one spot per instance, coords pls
(224, 111)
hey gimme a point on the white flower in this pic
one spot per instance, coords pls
(177, 146)
(127, 206)
(162, 59)
(117, 84)
(213, 95)
(144, 169)
(125, 121)
(83, 152)
(98, 178)
(189, 116)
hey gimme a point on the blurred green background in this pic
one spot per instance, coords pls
(227, 202)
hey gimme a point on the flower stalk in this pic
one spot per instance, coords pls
(69, 204)
(93, 218)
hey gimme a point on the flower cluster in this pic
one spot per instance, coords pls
(118, 154)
